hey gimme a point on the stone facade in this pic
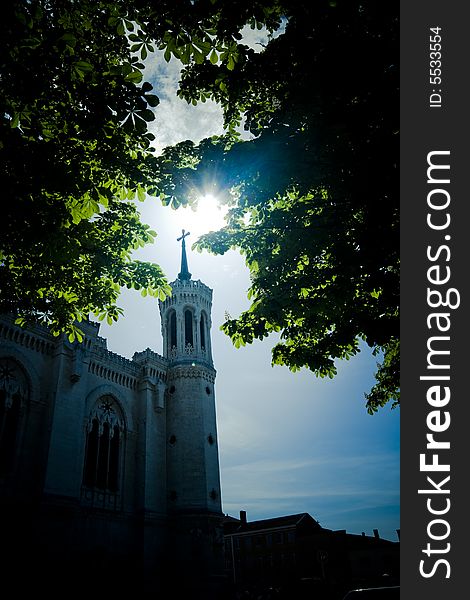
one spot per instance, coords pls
(110, 465)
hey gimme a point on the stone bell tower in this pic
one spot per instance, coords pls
(193, 480)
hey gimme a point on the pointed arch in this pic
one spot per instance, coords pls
(14, 393)
(172, 335)
(104, 443)
(188, 327)
(203, 330)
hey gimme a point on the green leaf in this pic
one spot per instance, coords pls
(147, 115)
(152, 100)
(185, 54)
(204, 47)
(135, 77)
(84, 66)
(70, 39)
(198, 56)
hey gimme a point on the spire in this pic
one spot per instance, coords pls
(184, 274)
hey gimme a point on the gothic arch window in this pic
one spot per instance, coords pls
(202, 327)
(172, 329)
(188, 328)
(104, 445)
(14, 390)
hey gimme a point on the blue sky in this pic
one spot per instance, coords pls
(288, 442)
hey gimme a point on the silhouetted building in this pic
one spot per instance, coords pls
(109, 467)
(296, 556)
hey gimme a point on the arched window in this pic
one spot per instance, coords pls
(103, 446)
(172, 329)
(89, 476)
(188, 328)
(13, 390)
(202, 328)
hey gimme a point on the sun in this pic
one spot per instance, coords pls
(207, 216)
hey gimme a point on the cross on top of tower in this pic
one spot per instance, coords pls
(184, 273)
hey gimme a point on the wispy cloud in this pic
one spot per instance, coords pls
(330, 488)
(175, 119)
(258, 38)
(288, 465)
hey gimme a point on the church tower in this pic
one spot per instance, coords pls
(193, 480)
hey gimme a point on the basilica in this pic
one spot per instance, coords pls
(109, 468)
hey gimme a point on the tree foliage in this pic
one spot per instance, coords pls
(74, 153)
(314, 193)
(75, 150)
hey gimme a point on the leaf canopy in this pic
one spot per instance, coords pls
(75, 149)
(313, 192)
